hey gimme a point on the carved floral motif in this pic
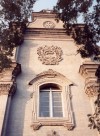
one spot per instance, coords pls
(92, 91)
(50, 55)
(48, 24)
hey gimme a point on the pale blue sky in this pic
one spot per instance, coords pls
(44, 4)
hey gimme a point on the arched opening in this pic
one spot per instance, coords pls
(50, 100)
(50, 85)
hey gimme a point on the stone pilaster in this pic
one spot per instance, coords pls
(8, 88)
(88, 70)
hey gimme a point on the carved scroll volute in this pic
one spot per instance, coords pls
(36, 125)
(7, 88)
(68, 126)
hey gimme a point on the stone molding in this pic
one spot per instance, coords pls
(8, 79)
(42, 33)
(87, 70)
(36, 125)
(50, 74)
(7, 88)
(50, 55)
(60, 80)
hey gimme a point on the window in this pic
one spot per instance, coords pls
(50, 103)
(51, 100)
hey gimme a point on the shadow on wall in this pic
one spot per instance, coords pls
(19, 109)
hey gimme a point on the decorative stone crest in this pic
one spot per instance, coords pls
(48, 24)
(50, 55)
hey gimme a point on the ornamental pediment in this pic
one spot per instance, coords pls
(50, 74)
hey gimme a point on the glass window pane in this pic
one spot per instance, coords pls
(57, 104)
(44, 104)
(57, 114)
(44, 114)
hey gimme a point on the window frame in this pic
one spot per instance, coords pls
(55, 78)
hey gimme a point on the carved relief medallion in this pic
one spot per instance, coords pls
(48, 24)
(50, 55)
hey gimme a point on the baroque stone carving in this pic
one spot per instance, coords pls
(87, 70)
(4, 88)
(48, 24)
(50, 55)
(7, 88)
(36, 125)
(50, 74)
(52, 77)
(53, 122)
(92, 91)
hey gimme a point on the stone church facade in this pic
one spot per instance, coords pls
(50, 89)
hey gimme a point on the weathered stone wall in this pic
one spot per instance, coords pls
(20, 118)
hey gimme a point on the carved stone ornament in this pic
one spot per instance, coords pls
(36, 125)
(52, 77)
(7, 88)
(48, 24)
(50, 74)
(92, 91)
(50, 55)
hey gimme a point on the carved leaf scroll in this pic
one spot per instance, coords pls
(50, 55)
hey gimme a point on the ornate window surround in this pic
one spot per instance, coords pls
(53, 77)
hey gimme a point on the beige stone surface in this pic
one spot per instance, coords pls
(3, 102)
(20, 118)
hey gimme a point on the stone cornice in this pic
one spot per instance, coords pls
(10, 73)
(44, 33)
(43, 15)
(87, 70)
